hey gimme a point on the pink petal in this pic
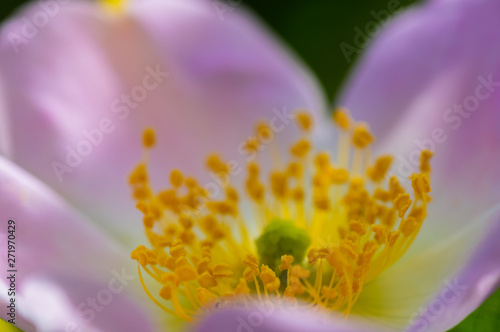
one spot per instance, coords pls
(407, 87)
(223, 76)
(56, 245)
(426, 61)
(279, 319)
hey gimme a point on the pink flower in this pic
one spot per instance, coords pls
(78, 85)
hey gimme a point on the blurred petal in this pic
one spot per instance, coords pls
(281, 319)
(431, 82)
(408, 87)
(57, 244)
(69, 79)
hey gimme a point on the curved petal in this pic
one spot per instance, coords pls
(282, 319)
(422, 89)
(89, 84)
(55, 244)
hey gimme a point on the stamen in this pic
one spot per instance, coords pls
(316, 229)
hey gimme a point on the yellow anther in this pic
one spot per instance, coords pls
(139, 175)
(242, 288)
(339, 176)
(289, 292)
(170, 278)
(220, 271)
(264, 131)
(337, 260)
(382, 195)
(279, 184)
(249, 274)
(420, 184)
(348, 248)
(379, 170)
(266, 274)
(232, 194)
(148, 221)
(286, 262)
(298, 194)
(329, 292)
(304, 120)
(273, 285)
(341, 118)
(206, 280)
(297, 286)
(425, 157)
(408, 226)
(358, 227)
(148, 138)
(216, 164)
(301, 148)
(139, 254)
(322, 201)
(186, 222)
(176, 178)
(202, 265)
(294, 170)
(395, 188)
(312, 257)
(186, 273)
(362, 137)
(322, 161)
(253, 170)
(166, 292)
(252, 145)
(206, 297)
(380, 233)
(142, 206)
(299, 272)
(178, 251)
(401, 204)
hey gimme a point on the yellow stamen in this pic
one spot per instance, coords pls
(353, 223)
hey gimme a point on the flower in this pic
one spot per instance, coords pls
(72, 110)
(406, 89)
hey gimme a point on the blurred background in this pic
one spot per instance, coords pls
(324, 33)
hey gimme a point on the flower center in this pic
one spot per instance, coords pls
(317, 231)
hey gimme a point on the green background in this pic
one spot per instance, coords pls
(315, 29)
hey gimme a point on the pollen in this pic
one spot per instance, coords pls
(315, 228)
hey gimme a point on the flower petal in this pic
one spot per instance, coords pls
(426, 90)
(68, 80)
(411, 86)
(56, 244)
(281, 319)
